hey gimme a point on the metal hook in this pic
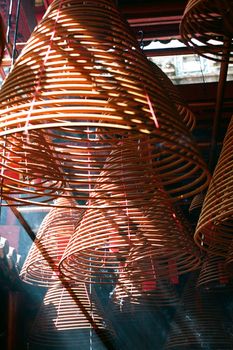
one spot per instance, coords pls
(141, 43)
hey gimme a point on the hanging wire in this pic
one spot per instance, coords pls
(141, 37)
(198, 60)
(9, 22)
(14, 50)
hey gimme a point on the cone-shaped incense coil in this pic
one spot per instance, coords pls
(103, 239)
(41, 265)
(62, 322)
(198, 324)
(215, 225)
(169, 250)
(213, 275)
(45, 173)
(209, 23)
(102, 242)
(185, 113)
(197, 202)
(128, 177)
(148, 293)
(84, 80)
(105, 235)
(150, 262)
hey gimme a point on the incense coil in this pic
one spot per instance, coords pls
(41, 265)
(198, 323)
(197, 202)
(95, 256)
(104, 238)
(213, 275)
(170, 263)
(44, 170)
(84, 84)
(67, 317)
(170, 252)
(204, 21)
(214, 228)
(150, 293)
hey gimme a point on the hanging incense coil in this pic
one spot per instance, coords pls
(83, 83)
(96, 252)
(150, 262)
(104, 238)
(215, 225)
(197, 202)
(62, 322)
(207, 22)
(44, 170)
(134, 293)
(41, 265)
(171, 266)
(150, 293)
(168, 253)
(213, 275)
(199, 323)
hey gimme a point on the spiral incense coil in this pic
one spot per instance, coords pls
(41, 265)
(148, 293)
(208, 22)
(149, 262)
(83, 82)
(62, 322)
(183, 110)
(44, 170)
(101, 242)
(170, 251)
(198, 323)
(213, 275)
(215, 225)
(197, 202)
(104, 238)
(183, 218)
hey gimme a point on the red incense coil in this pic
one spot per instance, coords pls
(142, 224)
(214, 228)
(41, 265)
